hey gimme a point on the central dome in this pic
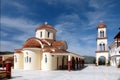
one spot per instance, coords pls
(45, 26)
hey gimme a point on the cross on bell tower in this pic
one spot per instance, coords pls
(102, 47)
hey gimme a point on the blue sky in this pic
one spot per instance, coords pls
(75, 20)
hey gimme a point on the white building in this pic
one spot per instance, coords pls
(115, 51)
(102, 47)
(44, 52)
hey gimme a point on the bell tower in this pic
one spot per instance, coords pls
(102, 47)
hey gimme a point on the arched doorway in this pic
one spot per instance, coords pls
(101, 60)
(73, 63)
(63, 60)
(77, 63)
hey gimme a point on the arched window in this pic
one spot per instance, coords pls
(101, 34)
(45, 58)
(15, 58)
(26, 58)
(48, 34)
(29, 59)
(40, 34)
(102, 47)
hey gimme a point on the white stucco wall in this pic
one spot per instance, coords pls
(19, 63)
(35, 59)
(101, 29)
(115, 56)
(45, 34)
(102, 41)
(46, 65)
(104, 54)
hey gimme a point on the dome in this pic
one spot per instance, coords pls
(45, 26)
(101, 25)
(32, 43)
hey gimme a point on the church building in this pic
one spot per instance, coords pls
(115, 51)
(44, 52)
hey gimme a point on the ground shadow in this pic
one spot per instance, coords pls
(81, 68)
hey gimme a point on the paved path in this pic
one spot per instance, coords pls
(88, 73)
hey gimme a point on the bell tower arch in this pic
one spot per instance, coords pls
(102, 46)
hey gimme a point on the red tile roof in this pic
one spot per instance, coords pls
(32, 43)
(101, 25)
(46, 44)
(45, 26)
(18, 50)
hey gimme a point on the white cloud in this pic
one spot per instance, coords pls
(3, 34)
(76, 40)
(14, 5)
(69, 4)
(22, 24)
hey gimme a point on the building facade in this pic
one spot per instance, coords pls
(115, 51)
(44, 52)
(102, 47)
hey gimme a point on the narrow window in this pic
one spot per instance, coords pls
(40, 34)
(48, 34)
(45, 59)
(100, 46)
(103, 46)
(101, 34)
(29, 59)
(15, 58)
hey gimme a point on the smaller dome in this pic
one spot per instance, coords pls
(45, 26)
(101, 25)
(32, 43)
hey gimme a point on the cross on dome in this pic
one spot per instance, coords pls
(46, 23)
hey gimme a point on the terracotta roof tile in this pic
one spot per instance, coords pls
(45, 26)
(60, 51)
(101, 25)
(57, 43)
(18, 50)
(32, 43)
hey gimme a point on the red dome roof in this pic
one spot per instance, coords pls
(45, 26)
(32, 43)
(101, 25)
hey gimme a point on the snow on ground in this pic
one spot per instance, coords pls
(89, 73)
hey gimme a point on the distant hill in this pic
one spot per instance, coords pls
(89, 59)
(6, 52)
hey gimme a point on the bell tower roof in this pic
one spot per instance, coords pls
(101, 25)
(45, 26)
